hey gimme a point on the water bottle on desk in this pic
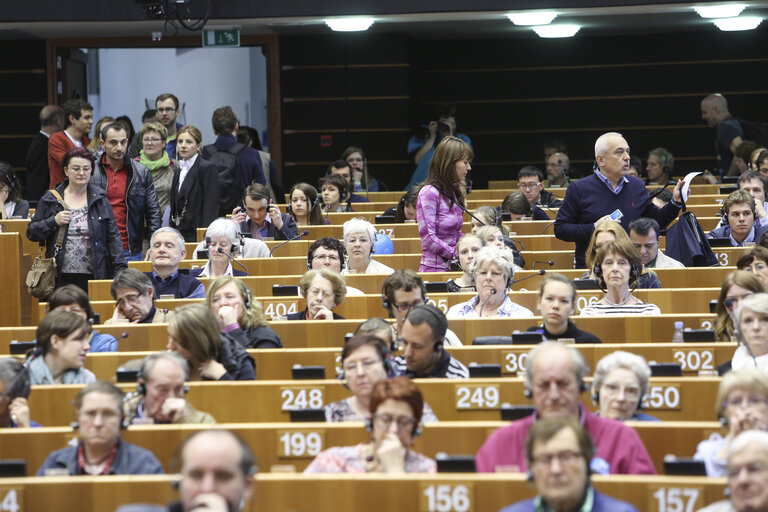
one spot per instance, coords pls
(678, 336)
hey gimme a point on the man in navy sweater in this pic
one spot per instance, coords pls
(591, 200)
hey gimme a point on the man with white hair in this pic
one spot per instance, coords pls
(728, 131)
(166, 250)
(359, 241)
(592, 200)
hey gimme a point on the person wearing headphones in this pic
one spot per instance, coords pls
(159, 397)
(659, 167)
(304, 206)
(565, 486)
(493, 273)
(618, 267)
(222, 234)
(333, 189)
(260, 217)
(423, 335)
(324, 290)
(739, 214)
(135, 299)
(621, 382)
(359, 243)
(741, 405)
(239, 316)
(395, 410)
(11, 203)
(166, 250)
(73, 299)
(750, 320)
(519, 208)
(609, 232)
(100, 450)
(557, 299)
(329, 252)
(554, 379)
(405, 210)
(466, 249)
(62, 344)
(755, 262)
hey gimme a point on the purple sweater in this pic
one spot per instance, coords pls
(439, 228)
(589, 199)
(616, 443)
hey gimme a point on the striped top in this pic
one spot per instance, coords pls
(642, 308)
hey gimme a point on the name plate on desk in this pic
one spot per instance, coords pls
(299, 443)
(694, 360)
(477, 397)
(11, 498)
(280, 309)
(662, 498)
(301, 397)
(514, 360)
(664, 397)
(434, 497)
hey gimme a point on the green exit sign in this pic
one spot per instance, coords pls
(221, 37)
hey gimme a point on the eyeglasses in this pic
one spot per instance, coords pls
(404, 307)
(314, 292)
(329, 257)
(366, 366)
(153, 140)
(631, 392)
(528, 186)
(383, 421)
(752, 468)
(752, 401)
(130, 299)
(78, 170)
(566, 458)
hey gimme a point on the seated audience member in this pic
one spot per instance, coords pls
(565, 486)
(15, 387)
(741, 404)
(621, 382)
(660, 197)
(554, 378)
(329, 252)
(519, 208)
(756, 185)
(11, 203)
(747, 481)
(750, 319)
(358, 165)
(557, 168)
(609, 232)
(645, 236)
(100, 449)
(529, 181)
(359, 240)
(760, 161)
(135, 299)
(343, 169)
(238, 315)
(62, 344)
(382, 329)
(492, 272)
(193, 333)
(365, 360)
(73, 299)
(617, 267)
(304, 206)
(659, 167)
(466, 248)
(557, 302)
(739, 212)
(216, 470)
(166, 250)
(405, 211)
(402, 291)
(395, 408)
(323, 290)
(755, 262)
(494, 236)
(736, 286)
(159, 398)
(636, 167)
(333, 190)
(223, 243)
(742, 156)
(488, 216)
(423, 337)
(262, 218)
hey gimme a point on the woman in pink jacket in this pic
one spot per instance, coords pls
(437, 210)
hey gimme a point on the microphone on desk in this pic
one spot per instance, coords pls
(548, 262)
(222, 251)
(539, 273)
(547, 226)
(493, 292)
(4, 226)
(303, 233)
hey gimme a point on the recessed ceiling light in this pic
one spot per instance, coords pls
(557, 30)
(532, 18)
(349, 24)
(720, 11)
(738, 23)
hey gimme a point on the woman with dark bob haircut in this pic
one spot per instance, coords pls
(71, 298)
(62, 343)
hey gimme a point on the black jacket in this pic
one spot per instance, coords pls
(106, 244)
(239, 364)
(257, 337)
(197, 203)
(289, 229)
(140, 200)
(38, 175)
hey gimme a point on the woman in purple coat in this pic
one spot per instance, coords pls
(437, 210)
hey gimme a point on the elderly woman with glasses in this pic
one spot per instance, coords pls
(492, 272)
(621, 382)
(396, 407)
(755, 262)
(736, 286)
(751, 319)
(741, 404)
(323, 289)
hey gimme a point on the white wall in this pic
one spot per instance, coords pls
(202, 78)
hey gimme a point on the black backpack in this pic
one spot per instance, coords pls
(229, 175)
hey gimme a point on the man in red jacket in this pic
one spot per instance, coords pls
(78, 117)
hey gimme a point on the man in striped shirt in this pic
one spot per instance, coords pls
(422, 336)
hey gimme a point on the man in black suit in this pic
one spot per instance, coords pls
(38, 178)
(262, 218)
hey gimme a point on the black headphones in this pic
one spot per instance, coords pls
(389, 306)
(386, 358)
(416, 432)
(141, 389)
(342, 255)
(315, 201)
(582, 388)
(441, 320)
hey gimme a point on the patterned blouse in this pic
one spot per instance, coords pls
(78, 253)
(350, 459)
(507, 309)
(342, 411)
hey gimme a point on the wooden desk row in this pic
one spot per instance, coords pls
(326, 334)
(670, 398)
(297, 444)
(274, 364)
(350, 493)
